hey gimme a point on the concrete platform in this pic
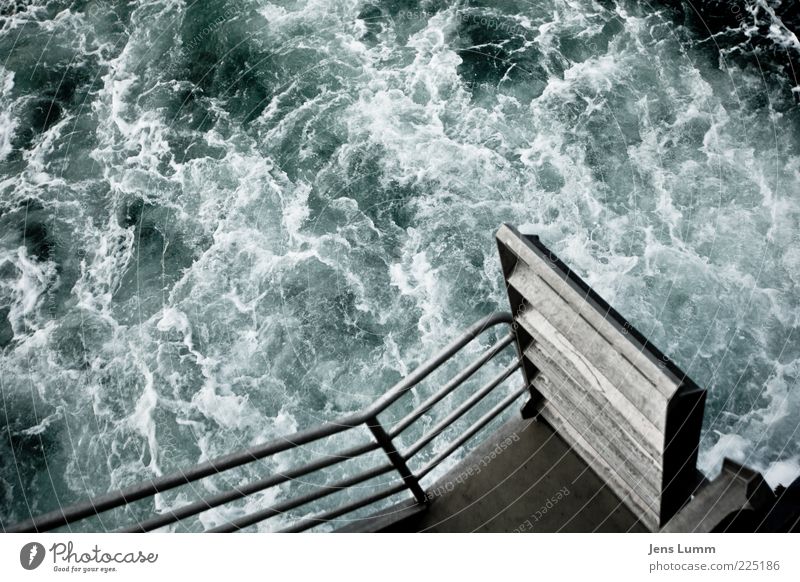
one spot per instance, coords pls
(523, 478)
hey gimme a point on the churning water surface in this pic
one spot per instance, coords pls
(222, 221)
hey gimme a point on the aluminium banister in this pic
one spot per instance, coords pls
(367, 416)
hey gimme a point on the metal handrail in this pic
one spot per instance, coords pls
(461, 410)
(454, 383)
(172, 516)
(367, 418)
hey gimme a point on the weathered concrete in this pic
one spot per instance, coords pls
(615, 443)
(625, 407)
(537, 484)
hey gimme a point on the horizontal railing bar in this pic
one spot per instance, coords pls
(149, 488)
(324, 491)
(127, 495)
(471, 431)
(254, 487)
(422, 371)
(461, 410)
(310, 522)
(454, 383)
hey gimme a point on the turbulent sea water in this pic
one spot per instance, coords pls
(221, 222)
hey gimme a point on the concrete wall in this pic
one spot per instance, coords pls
(624, 406)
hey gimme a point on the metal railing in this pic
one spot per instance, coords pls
(397, 461)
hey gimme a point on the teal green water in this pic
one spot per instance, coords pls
(226, 221)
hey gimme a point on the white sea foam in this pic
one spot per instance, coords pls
(220, 284)
(8, 123)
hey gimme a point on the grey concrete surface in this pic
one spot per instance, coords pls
(536, 483)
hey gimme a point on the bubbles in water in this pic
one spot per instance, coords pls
(227, 221)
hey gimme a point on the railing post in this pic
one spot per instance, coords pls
(385, 441)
